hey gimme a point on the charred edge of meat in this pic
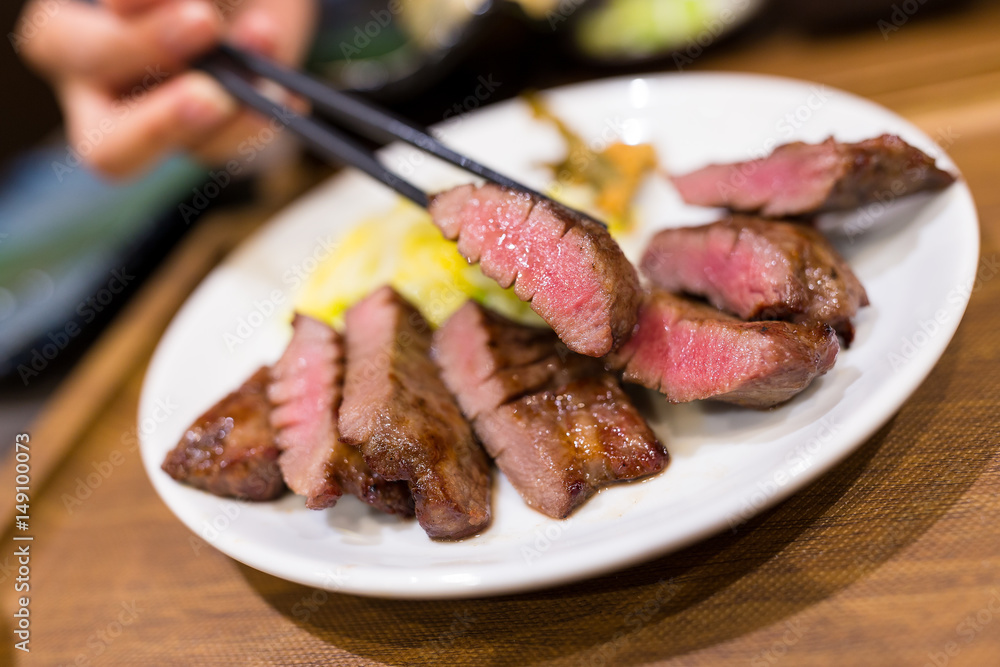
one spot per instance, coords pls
(581, 437)
(397, 410)
(230, 450)
(884, 167)
(556, 423)
(358, 479)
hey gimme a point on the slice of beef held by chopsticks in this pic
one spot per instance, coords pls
(306, 389)
(568, 266)
(398, 412)
(231, 450)
(758, 269)
(558, 426)
(689, 351)
(802, 179)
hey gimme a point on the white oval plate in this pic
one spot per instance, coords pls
(917, 259)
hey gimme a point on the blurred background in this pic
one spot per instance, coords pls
(74, 248)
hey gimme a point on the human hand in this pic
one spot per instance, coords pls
(120, 71)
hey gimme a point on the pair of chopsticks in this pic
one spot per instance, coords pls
(234, 69)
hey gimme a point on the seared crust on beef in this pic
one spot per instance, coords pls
(559, 447)
(558, 426)
(883, 165)
(230, 450)
(399, 413)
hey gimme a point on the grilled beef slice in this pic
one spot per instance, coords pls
(758, 269)
(689, 351)
(800, 179)
(398, 412)
(231, 450)
(557, 425)
(306, 389)
(568, 266)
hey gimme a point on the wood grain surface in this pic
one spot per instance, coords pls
(891, 559)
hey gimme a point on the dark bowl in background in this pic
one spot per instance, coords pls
(362, 47)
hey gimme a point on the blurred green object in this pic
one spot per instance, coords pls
(629, 30)
(396, 46)
(63, 234)
(49, 220)
(639, 28)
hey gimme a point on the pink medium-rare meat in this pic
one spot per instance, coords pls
(398, 412)
(558, 426)
(800, 179)
(566, 265)
(304, 387)
(306, 392)
(758, 269)
(231, 450)
(795, 179)
(690, 351)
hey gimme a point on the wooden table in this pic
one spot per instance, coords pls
(893, 558)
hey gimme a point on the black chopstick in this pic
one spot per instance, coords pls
(330, 142)
(361, 117)
(364, 117)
